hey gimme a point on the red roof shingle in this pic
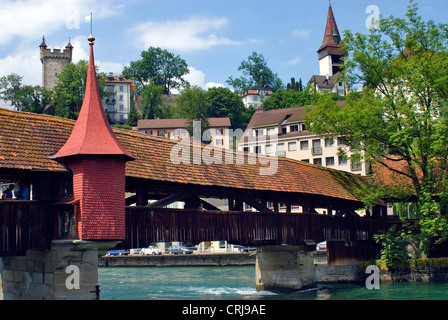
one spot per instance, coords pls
(27, 141)
(92, 134)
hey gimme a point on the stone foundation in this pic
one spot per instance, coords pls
(284, 269)
(68, 271)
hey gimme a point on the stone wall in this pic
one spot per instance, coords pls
(339, 274)
(284, 269)
(233, 259)
(422, 270)
(53, 62)
(43, 274)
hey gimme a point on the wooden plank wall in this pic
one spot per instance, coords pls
(25, 225)
(33, 225)
(145, 226)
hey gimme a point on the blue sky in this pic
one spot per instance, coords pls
(212, 36)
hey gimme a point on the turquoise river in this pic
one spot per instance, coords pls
(238, 283)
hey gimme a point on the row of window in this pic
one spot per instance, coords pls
(273, 131)
(177, 133)
(316, 150)
(111, 108)
(330, 162)
(292, 146)
(111, 89)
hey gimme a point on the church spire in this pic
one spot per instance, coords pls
(329, 53)
(332, 36)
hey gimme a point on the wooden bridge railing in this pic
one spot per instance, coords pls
(34, 224)
(145, 225)
(25, 225)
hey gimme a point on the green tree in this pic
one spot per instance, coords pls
(195, 103)
(295, 86)
(133, 116)
(394, 246)
(289, 99)
(24, 97)
(10, 86)
(401, 115)
(159, 67)
(152, 101)
(35, 99)
(256, 74)
(192, 104)
(69, 92)
(222, 102)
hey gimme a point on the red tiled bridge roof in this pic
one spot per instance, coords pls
(30, 141)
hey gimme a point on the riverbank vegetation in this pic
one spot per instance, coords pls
(396, 117)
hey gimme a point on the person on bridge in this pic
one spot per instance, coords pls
(23, 193)
(7, 194)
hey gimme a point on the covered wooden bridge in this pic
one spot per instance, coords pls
(93, 187)
(283, 203)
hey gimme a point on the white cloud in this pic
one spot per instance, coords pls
(188, 35)
(110, 66)
(29, 19)
(301, 33)
(211, 84)
(197, 78)
(81, 52)
(80, 49)
(25, 21)
(24, 62)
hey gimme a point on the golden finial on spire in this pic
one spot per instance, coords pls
(91, 38)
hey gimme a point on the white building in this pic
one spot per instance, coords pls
(117, 103)
(176, 129)
(255, 97)
(282, 132)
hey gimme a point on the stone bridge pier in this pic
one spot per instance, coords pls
(284, 268)
(68, 271)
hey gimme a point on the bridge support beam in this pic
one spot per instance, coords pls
(284, 269)
(69, 271)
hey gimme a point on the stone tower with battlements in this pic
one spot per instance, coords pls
(53, 62)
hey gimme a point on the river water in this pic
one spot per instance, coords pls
(238, 283)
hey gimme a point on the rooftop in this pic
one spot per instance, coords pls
(148, 124)
(29, 141)
(331, 35)
(262, 118)
(110, 78)
(92, 133)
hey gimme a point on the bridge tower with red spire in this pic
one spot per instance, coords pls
(97, 161)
